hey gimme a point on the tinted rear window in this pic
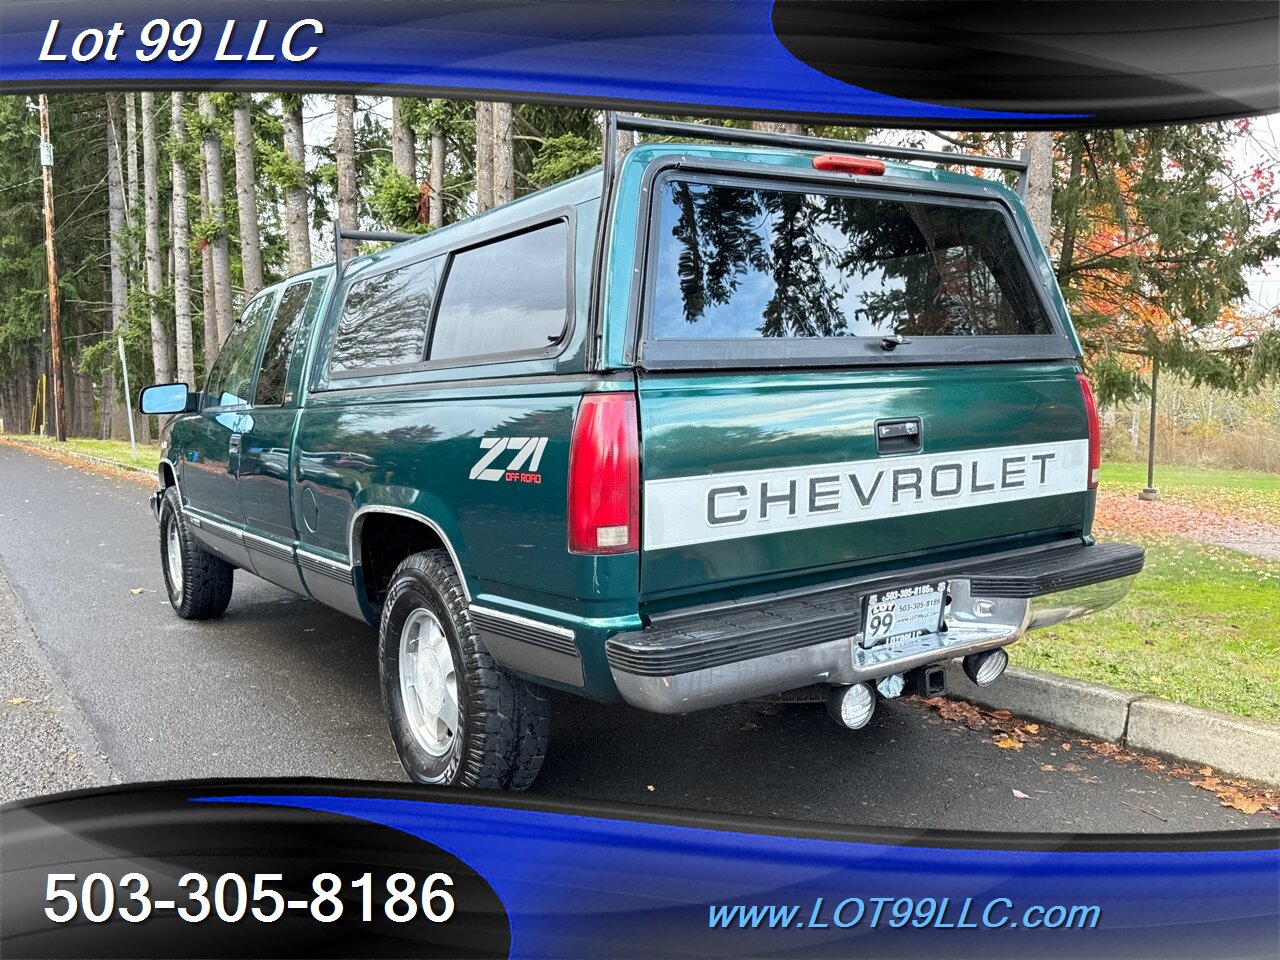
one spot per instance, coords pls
(508, 296)
(737, 262)
(384, 319)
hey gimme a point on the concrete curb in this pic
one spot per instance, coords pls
(1191, 735)
(40, 448)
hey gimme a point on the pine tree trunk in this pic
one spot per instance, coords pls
(221, 253)
(82, 410)
(209, 308)
(161, 347)
(297, 222)
(344, 149)
(504, 172)
(131, 153)
(181, 247)
(247, 195)
(437, 178)
(1040, 184)
(623, 141)
(484, 155)
(116, 407)
(404, 148)
(771, 126)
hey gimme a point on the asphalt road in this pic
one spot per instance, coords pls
(282, 687)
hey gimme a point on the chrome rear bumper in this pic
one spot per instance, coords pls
(688, 663)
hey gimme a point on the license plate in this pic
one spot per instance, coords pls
(904, 612)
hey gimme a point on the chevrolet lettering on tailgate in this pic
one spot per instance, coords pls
(688, 510)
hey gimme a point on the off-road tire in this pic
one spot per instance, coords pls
(207, 580)
(503, 719)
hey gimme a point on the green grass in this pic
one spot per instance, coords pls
(117, 451)
(1200, 626)
(1125, 476)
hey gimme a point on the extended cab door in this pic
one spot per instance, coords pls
(265, 464)
(212, 449)
(840, 381)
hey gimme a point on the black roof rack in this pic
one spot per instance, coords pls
(340, 234)
(702, 131)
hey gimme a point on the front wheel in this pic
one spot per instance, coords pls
(199, 584)
(456, 717)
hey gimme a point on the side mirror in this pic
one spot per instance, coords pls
(162, 398)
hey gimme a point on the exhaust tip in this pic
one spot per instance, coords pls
(987, 667)
(852, 707)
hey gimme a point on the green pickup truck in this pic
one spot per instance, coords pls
(714, 421)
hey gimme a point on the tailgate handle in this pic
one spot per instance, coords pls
(898, 436)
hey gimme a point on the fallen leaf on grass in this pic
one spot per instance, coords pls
(1008, 743)
(1020, 795)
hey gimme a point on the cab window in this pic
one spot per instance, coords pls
(280, 340)
(384, 319)
(231, 381)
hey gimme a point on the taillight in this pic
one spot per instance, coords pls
(1095, 432)
(604, 476)
(844, 164)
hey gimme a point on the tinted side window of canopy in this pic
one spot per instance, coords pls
(508, 296)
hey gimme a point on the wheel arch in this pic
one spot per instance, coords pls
(168, 476)
(381, 536)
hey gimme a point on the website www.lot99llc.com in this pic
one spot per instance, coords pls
(898, 912)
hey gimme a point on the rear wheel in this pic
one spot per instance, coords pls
(456, 717)
(199, 584)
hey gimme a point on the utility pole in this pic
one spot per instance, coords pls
(55, 326)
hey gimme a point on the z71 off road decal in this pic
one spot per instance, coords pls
(522, 457)
(725, 506)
